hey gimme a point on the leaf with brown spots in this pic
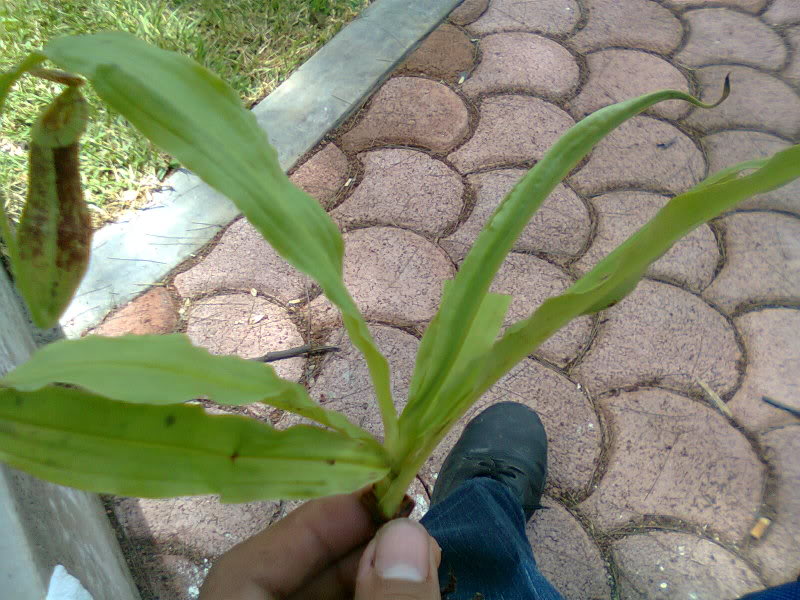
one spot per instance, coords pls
(54, 234)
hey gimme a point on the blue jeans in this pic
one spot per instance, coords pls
(481, 530)
(500, 565)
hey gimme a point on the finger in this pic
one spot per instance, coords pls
(337, 582)
(282, 557)
(399, 564)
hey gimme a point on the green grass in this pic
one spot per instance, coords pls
(252, 44)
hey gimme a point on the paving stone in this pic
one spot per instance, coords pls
(664, 565)
(675, 457)
(445, 54)
(726, 148)
(243, 260)
(512, 129)
(719, 35)
(553, 17)
(779, 550)
(763, 260)
(152, 313)
(752, 6)
(559, 228)
(773, 362)
(197, 526)
(404, 188)
(411, 111)
(628, 23)
(778, 106)
(344, 384)
(691, 261)
(617, 75)
(642, 153)
(468, 11)
(394, 275)
(523, 62)
(782, 12)
(792, 71)
(323, 175)
(246, 326)
(531, 281)
(661, 334)
(573, 428)
(558, 539)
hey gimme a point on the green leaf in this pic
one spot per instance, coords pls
(483, 334)
(197, 118)
(55, 231)
(617, 274)
(168, 369)
(84, 441)
(457, 314)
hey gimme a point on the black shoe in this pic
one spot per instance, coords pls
(507, 443)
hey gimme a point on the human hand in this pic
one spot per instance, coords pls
(325, 550)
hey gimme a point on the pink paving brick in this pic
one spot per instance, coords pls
(691, 262)
(617, 75)
(154, 312)
(560, 228)
(763, 260)
(412, 111)
(662, 565)
(558, 539)
(630, 24)
(405, 188)
(553, 17)
(773, 364)
(671, 455)
(661, 333)
(511, 130)
(642, 153)
(758, 101)
(718, 35)
(523, 62)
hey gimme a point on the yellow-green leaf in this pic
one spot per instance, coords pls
(196, 117)
(167, 369)
(77, 439)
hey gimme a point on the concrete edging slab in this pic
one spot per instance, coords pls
(130, 256)
(43, 525)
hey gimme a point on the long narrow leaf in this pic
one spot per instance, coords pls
(457, 314)
(610, 280)
(92, 443)
(167, 369)
(483, 334)
(193, 115)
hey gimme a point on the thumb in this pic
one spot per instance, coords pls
(400, 563)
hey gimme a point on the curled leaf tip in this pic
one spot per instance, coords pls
(726, 91)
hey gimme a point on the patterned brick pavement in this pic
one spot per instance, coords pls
(653, 491)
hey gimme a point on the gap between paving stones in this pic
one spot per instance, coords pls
(297, 115)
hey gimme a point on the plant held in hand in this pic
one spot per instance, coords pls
(122, 425)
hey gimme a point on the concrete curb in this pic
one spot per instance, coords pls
(43, 525)
(130, 256)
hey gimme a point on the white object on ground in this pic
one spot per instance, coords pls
(64, 586)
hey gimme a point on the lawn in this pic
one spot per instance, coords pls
(252, 44)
